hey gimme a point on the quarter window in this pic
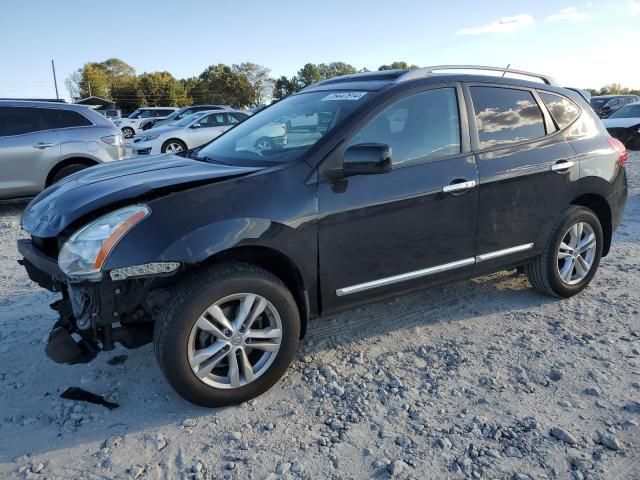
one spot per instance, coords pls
(562, 110)
(505, 116)
(54, 118)
(18, 121)
(419, 128)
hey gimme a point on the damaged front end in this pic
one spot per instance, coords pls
(98, 308)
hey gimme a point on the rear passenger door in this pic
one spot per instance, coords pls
(525, 168)
(27, 148)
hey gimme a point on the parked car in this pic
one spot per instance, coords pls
(605, 105)
(43, 142)
(179, 114)
(131, 124)
(221, 255)
(192, 131)
(110, 113)
(624, 124)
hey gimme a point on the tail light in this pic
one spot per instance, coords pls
(620, 149)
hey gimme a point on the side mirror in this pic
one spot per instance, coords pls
(195, 125)
(367, 159)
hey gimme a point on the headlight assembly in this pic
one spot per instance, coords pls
(84, 254)
(148, 138)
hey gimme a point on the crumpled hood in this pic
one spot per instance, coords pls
(620, 122)
(100, 186)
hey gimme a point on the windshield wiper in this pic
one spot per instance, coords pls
(212, 160)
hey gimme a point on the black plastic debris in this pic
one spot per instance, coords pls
(117, 360)
(77, 393)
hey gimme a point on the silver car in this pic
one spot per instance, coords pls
(42, 142)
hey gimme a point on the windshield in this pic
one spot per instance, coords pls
(187, 120)
(284, 131)
(177, 114)
(630, 111)
(135, 114)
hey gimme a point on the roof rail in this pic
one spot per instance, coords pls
(426, 71)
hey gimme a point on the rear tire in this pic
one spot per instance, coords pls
(571, 255)
(184, 341)
(67, 170)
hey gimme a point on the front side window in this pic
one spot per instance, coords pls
(421, 127)
(285, 131)
(54, 118)
(562, 109)
(234, 118)
(505, 116)
(212, 120)
(18, 121)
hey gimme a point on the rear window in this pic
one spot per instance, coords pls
(630, 111)
(562, 109)
(505, 116)
(54, 118)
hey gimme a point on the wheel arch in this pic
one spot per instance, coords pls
(275, 262)
(65, 163)
(602, 209)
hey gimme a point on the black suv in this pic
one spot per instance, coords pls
(220, 255)
(605, 105)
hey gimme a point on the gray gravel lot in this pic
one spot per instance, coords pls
(482, 379)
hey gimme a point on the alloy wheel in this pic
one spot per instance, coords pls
(576, 253)
(173, 148)
(234, 341)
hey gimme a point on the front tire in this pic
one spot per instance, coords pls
(571, 255)
(173, 146)
(128, 132)
(228, 335)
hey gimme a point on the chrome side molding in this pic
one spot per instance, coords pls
(361, 287)
(501, 253)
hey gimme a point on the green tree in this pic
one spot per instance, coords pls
(221, 84)
(283, 87)
(398, 66)
(160, 89)
(259, 78)
(94, 81)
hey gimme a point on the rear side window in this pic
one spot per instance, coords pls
(54, 118)
(562, 109)
(18, 121)
(236, 118)
(505, 116)
(420, 127)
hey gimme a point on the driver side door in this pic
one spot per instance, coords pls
(409, 227)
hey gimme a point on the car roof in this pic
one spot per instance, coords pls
(157, 108)
(614, 96)
(38, 104)
(374, 81)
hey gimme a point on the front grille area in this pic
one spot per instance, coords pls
(144, 151)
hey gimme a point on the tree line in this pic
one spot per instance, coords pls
(244, 85)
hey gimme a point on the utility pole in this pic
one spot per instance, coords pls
(55, 81)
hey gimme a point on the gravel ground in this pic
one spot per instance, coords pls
(482, 379)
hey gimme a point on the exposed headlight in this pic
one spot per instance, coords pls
(148, 138)
(84, 254)
(114, 140)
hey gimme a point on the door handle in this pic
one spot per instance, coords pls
(562, 165)
(457, 187)
(43, 145)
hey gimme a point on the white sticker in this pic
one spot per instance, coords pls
(344, 96)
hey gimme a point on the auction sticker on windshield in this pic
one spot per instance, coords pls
(349, 96)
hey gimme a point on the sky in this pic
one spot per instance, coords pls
(582, 44)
